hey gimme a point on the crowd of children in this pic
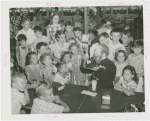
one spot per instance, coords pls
(58, 56)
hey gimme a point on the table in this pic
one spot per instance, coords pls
(80, 103)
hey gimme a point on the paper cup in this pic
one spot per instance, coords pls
(94, 85)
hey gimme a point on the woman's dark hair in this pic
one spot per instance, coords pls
(121, 51)
(133, 72)
(77, 29)
(68, 23)
(58, 34)
(55, 14)
(94, 32)
(40, 44)
(28, 58)
(63, 54)
(131, 108)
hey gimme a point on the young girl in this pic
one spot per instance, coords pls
(131, 108)
(128, 81)
(52, 28)
(78, 77)
(49, 69)
(33, 69)
(120, 63)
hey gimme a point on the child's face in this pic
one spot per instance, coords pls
(127, 75)
(38, 34)
(115, 36)
(49, 92)
(34, 59)
(61, 38)
(23, 43)
(74, 49)
(26, 25)
(101, 30)
(55, 19)
(137, 50)
(125, 39)
(69, 28)
(121, 57)
(97, 52)
(43, 49)
(67, 58)
(77, 34)
(20, 83)
(104, 40)
(48, 60)
(64, 69)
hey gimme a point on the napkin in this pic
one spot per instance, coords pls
(89, 93)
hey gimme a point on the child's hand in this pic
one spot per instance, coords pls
(96, 68)
(58, 101)
(57, 97)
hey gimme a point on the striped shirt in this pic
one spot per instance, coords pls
(128, 49)
(15, 20)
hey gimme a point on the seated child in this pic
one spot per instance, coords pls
(19, 93)
(39, 37)
(49, 69)
(136, 59)
(69, 30)
(128, 81)
(63, 75)
(131, 108)
(44, 103)
(33, 69)
(115, 45)
(21, 52)
(126, 41)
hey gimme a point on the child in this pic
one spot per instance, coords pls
(39, 37)
(33, 69)
(63, 75)
(69, 30)
(100, 28)
(78, 77)
(70, 41)
(126, 41)
(19, 93)
(128, 81)
(137, 61)
(115, 45)
(41, 48)
(108, 27)
(44, 103)
(27, 31)
(120, 63)
(48, 67)
(58, 47)
(131, 108)
(21, 52)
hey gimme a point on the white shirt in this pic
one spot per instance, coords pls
(17, 100)
(29, 34)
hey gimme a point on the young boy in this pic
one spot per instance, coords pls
(39, 37)
(19, 93)
(63, 75)
(44, 103)
(27, 31)
(69, 30)
(115, 45)
(126, 41)
(21, 52)
(41, 48)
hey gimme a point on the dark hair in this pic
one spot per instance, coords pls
(40, 44)
(103, 21)
(37, 29)
(137, 44)
(63, 54)
(120, 51)
(99, 26)
(24, 20)
(73, 44)
(59, 65)
(133, 72)
(115, 30)
(68, 23)
(104, 34)
(28, 58)
(94, 32)
(58, 33)
(126, 32)
(21, 37)
(55, 14)
(77, 29)
(42, 57)
(131, 108)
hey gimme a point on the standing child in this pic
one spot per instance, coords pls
(21, 52)
(44, 103)
(69, 30)
(128, 81)
(137, 61)
(19, 93)
(63, 75)
(33, 69)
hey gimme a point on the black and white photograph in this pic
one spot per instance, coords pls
(77, 59)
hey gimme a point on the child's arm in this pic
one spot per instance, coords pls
(66, 107)
(128, 92)
(54, 58)
(26, 96)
